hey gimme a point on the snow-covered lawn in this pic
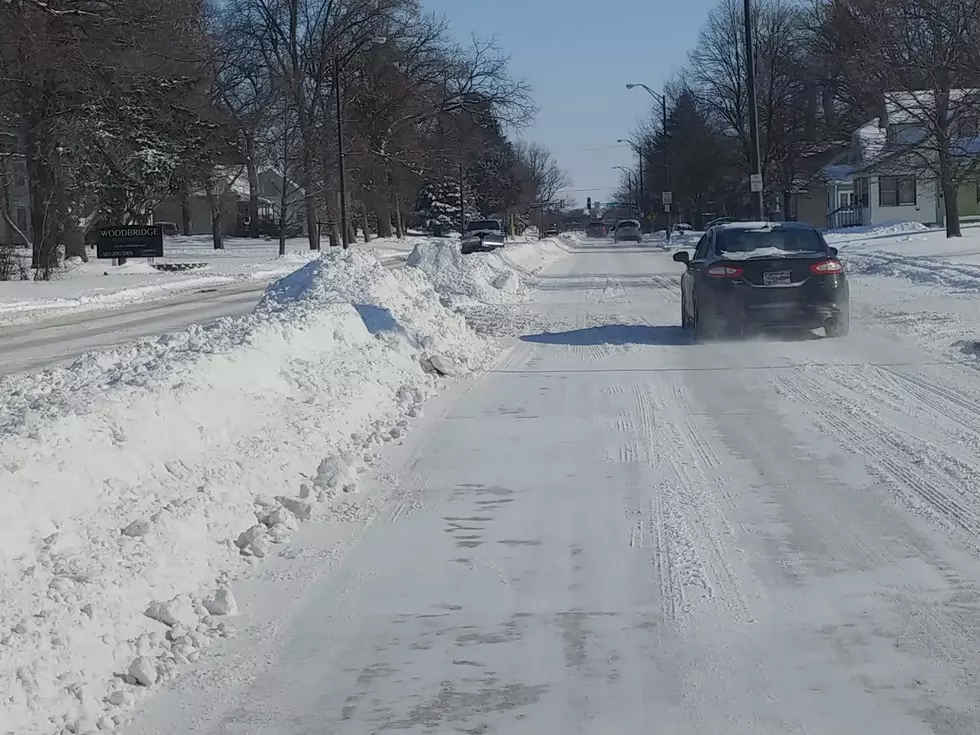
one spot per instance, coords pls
(136, 483)
(100, 285)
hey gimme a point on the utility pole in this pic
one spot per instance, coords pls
(462, 207)
(663, 110)
(756, 183)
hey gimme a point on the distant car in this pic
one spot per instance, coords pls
(683, 227)
(483, 235)
(628, 229)
(752, 275)
(551, 232)
(596, 229)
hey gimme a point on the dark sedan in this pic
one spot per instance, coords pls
(763, 275)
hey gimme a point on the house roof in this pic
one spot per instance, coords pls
(871, 140)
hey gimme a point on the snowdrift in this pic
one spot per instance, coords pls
(136, 484)
(485, 278)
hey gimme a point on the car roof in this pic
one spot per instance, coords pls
(624, 221)
(765, 226)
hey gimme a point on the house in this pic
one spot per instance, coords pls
(14, 200)
(887, 174)
(192, 214)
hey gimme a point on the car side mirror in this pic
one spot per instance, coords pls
(682, 256)
(833, 252)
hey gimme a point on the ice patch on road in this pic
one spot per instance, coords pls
(137, 483)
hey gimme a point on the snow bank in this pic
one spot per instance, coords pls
(135, 484)
(485, 278)
(886, 229)
(961, 277)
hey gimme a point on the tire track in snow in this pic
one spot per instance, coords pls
(890, 455)
(695, 545)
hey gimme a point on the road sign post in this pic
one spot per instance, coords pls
(130, 241)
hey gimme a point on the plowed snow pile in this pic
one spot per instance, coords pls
(135, 484)
(485, 278)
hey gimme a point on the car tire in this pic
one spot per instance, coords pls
(841, 327)
(704, 329)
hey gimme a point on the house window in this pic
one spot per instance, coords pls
(21, 218)
(896, 191)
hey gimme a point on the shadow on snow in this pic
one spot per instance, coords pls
(614, 334)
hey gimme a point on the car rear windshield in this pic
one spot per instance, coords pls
(784, 240)
(629, 223)
(484, 224)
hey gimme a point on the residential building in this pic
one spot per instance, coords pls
(887, 174)
(192, 214)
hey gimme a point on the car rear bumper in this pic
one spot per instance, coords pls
(809, 306)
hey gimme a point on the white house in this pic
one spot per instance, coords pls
(887, 174)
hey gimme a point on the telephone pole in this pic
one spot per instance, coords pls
(755, 180)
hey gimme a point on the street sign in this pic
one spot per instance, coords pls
(130, 241)
(668, 197)
(755, 181)
(667, 208)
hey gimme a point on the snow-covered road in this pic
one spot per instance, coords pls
(616, 531)
(57, 340)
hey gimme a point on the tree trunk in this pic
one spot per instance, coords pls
(309, 200)
(253, 186)
(952, 208)
(787, 202)
(44, 251)
(215, 206)
(364, 223)
(216, 237)
(185, 210)
(399, 225)
(383, 213)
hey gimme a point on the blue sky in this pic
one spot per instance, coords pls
(579, 55)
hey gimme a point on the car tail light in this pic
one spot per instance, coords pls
(826, 268)
(724, 271)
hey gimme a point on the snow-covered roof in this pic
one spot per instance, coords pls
(838, 172)
(908, 107)
(871, 139)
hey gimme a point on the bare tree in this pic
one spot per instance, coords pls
(919, 60)
(543, 169)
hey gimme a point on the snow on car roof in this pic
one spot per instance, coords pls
(764, 226)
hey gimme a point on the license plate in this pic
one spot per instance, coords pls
(777, 278)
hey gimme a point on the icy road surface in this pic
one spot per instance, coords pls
(619, 532)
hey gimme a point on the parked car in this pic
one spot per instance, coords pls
(483, 235)
(596, 228)
(551, 232)
(743, 276)
(628, 229)
(683, 227)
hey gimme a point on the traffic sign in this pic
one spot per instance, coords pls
(755, 181)
(668, 197)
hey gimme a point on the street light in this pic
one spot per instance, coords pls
(341, 163)
(639, 154)
(629, 181)
(663, 110)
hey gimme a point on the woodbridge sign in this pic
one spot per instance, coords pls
(130, 241)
